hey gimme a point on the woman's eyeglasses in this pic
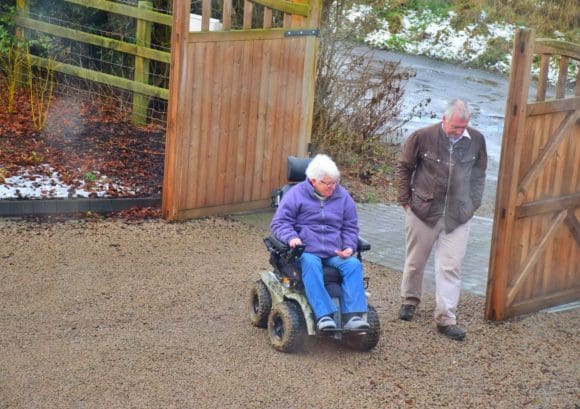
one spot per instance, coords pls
(329, 184)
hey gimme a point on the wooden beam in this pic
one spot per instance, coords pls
(574, 226)
(103, 78)
(141, 72)
(557, 47)
(236, 35)
(301, 9)
(548, 205)
(553, 106)
(175, 115)
(130, 11)
(534, 255)
(105, 42)
(545, 301)
(222, 210)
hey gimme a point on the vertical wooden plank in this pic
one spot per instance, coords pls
(205, 14)
(263, 102)
(562, 78)
(227, 15)
(275, 101)
(248, 13)
(267, 23)
(543, 77)
(298, 140)
(243, 122)
(251, 147)
(235, 113)
(174, 130)
(206, 125)
(226, 136)
(195, 101)
(141, 73)
(287, 22)
(309, 77)
(507, 185)
(291, 109)
(215, 101)
(280, 131)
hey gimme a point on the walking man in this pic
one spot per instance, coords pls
(440, 181)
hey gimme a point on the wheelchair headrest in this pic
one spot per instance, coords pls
(297, 168)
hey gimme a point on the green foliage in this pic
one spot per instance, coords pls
(89, 177)
(11, 57)
(495, 51)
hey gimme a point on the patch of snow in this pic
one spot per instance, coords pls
(426, 34)
(44, 183)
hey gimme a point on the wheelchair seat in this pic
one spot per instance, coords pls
(283, 259)
(295, 173)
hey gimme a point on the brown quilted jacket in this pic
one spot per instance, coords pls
(438, 179)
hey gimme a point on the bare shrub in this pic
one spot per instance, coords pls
(358, 107)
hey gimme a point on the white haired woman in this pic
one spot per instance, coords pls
(322, 215)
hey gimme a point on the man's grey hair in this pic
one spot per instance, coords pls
(459, 107)
(320, 166)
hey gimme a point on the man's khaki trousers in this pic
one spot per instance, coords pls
(450, 251)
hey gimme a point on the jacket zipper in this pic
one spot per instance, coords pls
(451, 147)
(322, 217)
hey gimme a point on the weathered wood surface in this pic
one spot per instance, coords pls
(535, 252)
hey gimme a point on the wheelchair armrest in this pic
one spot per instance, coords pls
(362, 245)
(274, 244)
(282, 249)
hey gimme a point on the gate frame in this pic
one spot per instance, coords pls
(305, 13)
(510, 204)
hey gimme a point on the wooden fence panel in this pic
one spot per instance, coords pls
(535, 252)
(243, 104)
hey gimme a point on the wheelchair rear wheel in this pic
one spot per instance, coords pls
(260, 304)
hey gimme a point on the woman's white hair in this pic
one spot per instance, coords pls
(320, 166)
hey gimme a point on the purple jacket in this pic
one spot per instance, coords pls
(323, 226)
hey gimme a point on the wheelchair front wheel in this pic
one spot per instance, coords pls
(286, 326)
(367, 340)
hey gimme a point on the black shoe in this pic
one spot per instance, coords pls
(452, 331)
(407, 312)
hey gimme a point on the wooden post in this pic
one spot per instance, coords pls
(309, 85)
(177, 75)
(143, 39)
(507, 187)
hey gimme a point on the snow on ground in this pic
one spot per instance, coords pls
(423, 33)
(44, 183)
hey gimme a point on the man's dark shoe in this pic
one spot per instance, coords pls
(407, 312)
(452, 331)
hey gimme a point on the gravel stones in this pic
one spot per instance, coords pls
(111, 314)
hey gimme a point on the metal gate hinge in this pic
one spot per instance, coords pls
(302, 33)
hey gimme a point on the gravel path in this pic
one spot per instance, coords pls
(109, 314)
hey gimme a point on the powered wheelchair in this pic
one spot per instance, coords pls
(277, 300)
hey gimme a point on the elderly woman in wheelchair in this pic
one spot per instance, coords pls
(317, 284)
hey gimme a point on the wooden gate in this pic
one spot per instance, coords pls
(535, 251)
(240, 103)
